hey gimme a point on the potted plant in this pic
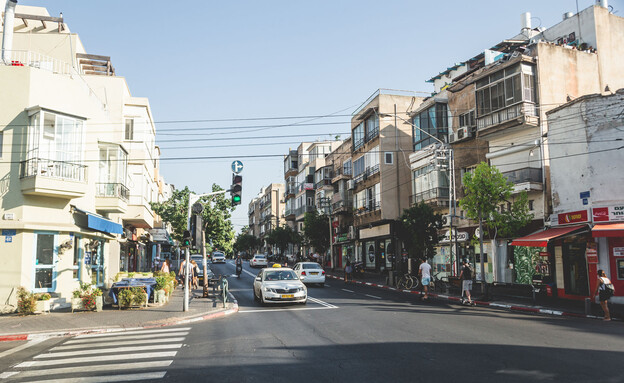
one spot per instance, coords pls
(160, 292)
(87, 297)
(76, 301)
(99, 300)
(43, 303)
(26, 302)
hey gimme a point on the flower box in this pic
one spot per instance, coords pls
(76, 304)
(42, 307)
(160, 296)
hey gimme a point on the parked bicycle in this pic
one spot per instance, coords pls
(441, 284)
(407, 282)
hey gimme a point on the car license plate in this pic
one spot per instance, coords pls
(314, 273)
(288, 296)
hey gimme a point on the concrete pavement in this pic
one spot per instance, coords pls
(65, 323)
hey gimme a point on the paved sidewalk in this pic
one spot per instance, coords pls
(65, 323)
(552, 306)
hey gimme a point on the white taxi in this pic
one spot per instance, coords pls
(279, 285)
(310, 272)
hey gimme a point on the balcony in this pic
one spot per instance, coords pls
(341, 173)
(525, 179)
(372, 134)
(139, 213)
(52, 178)
(111, 197)
(357, 144)
(435, 196)
(289, 213)
(37, 60)
(518, 114)
(323, 182)
(371, 171)
(304, 209)
(370, 207)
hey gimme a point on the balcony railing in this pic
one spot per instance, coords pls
(53, 169)
(37, 60)
(372, 134)
(358, 144)
(115, 190)
(428, 195)
(369, 207)
(342, 172)
(304, 209)
(370, 171)
(289, 211)
(323, 182)
(342, 205)
(524, 175)
(510, 113)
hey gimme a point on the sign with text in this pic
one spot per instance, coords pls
(573, 217)
(608, 213)
(9, 232)
(618, 251)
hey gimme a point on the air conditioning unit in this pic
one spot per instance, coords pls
(446, 220)
(350, 184)
(463, 132)
(351, 232)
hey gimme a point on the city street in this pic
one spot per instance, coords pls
(344, 333)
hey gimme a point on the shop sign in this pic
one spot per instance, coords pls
(308, 186)
(572, 217)
(608, 213)
(618, 251)
(342, 237)
(9, 232)
(544, 254)
(8, 239)
(462, 236)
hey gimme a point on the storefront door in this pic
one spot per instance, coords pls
(370, 254)
(616, 255)
(575, 269)
(389, 254)
(45, 262)
(97, 264)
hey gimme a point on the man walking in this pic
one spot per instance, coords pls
(424, 272)
(466, 278)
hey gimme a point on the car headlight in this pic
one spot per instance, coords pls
(268, 289)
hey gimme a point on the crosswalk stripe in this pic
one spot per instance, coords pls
(93, 368)
(100, 358)
(117, 333)
(122, 336)
(106, 350)
(115, 343)
(108, 378)
(322, 303)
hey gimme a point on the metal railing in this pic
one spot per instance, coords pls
(371, 135)
(524, 175)
(343, 172)
(53, 169)
(369, 207)
(36, 60)
(431, 194)
(358, 144)
(370, 171)
(116, 190)
(323, 182)
(344, 204)
(304, 209)
(510, 113)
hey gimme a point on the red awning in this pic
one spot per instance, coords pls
(608, 230)
(541, 239)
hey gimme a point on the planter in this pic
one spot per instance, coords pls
(76, 304)
(99, 303)
(42, 307)
(160, 296)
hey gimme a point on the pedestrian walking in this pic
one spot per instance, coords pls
(195, 274)
(165, 266)
(466, 277)
(348, 276)
(604, 290)
(424, 272)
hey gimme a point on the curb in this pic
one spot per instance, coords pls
(523, 309)
(67, 333)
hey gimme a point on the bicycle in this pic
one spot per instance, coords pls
(440, 284)
(407, 282)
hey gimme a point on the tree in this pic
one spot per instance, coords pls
(418, 230)
(316, 231)
(246, 242)
(485, 189)
(282, 236)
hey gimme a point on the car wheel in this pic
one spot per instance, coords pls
(262, 302)
(304, 302)
(322, 284)
(255, 296)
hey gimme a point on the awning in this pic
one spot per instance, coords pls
(608, 230)
(541, 239)
(97, 222)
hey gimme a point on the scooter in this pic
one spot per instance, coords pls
(239, 270)
(464, 301)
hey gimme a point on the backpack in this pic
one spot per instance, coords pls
(609, 290)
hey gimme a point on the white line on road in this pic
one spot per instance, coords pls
(274, 310)
(19, 348)
(107, 350)
(349, 291)
(100, 358)
(373, 296)
(93, 368)
(116, 343)
(139, 332)
(112, 337)
(320, 302)
(108, 378)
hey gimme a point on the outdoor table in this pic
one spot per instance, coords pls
(147, 283)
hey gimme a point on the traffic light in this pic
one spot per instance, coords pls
(237, 189)
(186, 239)
(196, 231)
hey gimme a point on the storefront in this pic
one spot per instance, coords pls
(444, 262)
(343, 249)
(377, 248)
(608, 231)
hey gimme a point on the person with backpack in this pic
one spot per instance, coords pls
(466, 278)
(604, 290)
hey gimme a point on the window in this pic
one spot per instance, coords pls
(505, 88)
(77, 257)
(358, 136)
(346, 167)
(467, 119)
(358, 166)
(372, 127)
(389, 160)
(531, 205)
(129, 129)
(45, 259)
(113, 171)
(467, 170)
(1, 142)
(428, 124)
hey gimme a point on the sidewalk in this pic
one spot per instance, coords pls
(65, 323)
(546, 306)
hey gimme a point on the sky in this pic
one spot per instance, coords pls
(249, 80)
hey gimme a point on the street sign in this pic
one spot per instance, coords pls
(237, 166)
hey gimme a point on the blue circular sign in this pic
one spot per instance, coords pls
(237, 166)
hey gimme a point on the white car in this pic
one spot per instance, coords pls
(258, 260)
(310, 272)
(279, 285)
(218, 257)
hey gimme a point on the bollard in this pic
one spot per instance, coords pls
(588, 306)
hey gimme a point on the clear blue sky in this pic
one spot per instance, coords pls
(200, 60)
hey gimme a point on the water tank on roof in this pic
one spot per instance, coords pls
(567, 15)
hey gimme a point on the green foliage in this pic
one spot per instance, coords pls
(161, 282)
(125, 297)
(282, 236)
(418, 229)
(88, 301)
(26, 302)
(43, 296)
(525, 260)
(246, 242)
(485, 189)
(138, 296)
(316, 231)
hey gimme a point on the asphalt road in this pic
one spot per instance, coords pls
(350, 333)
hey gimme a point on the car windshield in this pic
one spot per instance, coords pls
(280, 275)
(259, 256)
(311, 266)
(217, 255)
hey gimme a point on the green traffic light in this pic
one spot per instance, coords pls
(236, 198)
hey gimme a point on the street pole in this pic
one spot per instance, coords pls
(185, 305)
(396, 165)
(481, 255)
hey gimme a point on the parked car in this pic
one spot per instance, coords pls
(279, 285)
(199, 259)
(217, 257)
(310, 272)
(258, 260)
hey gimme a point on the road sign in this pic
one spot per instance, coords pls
(237, 166)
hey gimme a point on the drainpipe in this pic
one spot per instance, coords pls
(7, 32)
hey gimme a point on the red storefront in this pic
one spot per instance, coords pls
(609, 232)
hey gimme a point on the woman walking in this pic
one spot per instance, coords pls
(604, 290)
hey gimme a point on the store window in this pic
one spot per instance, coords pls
(78, 252)
(575, 268)
(370, 254)
(45, 257)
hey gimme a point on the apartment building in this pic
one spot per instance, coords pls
(266, 212)
(343, 232)
(78, 163)
(381, 135)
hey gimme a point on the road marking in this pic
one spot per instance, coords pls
(142, 332)
(347, 290)
(115, 336)
(107, 350)
(20, 348)
(108, 378)
(373, 296)
(320, 302)
(100, 358)
(92, 368)
(114, 343)
(275, 310)
(6, 375)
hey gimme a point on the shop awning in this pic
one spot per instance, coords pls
(541, 239)
(608, 230)
(97, 222)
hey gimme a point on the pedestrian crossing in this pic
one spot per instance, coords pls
(109, 357)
